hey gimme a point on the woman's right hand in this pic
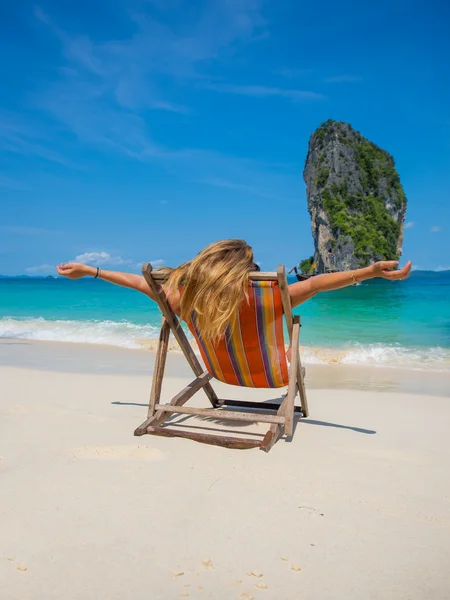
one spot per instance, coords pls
(74, 270)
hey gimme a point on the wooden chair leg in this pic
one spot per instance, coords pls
(290, 319)
(292, 389)
(301, 387)
(160, 363)
(287, 406)
(275, 430)
(181, 398)
(274, 433)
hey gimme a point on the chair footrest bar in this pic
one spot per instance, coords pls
(250, 404)
(221, 414)
(214, 440)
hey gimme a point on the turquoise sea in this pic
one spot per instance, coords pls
(378, 322)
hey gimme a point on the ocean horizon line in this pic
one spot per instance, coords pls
(414, 272)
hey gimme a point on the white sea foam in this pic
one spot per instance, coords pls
(113, 333)
(131, 335)
(381, 355)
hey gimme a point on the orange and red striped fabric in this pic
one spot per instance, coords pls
(253, 355)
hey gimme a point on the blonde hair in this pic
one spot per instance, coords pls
(214, 283)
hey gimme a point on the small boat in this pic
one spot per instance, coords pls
(301, 276)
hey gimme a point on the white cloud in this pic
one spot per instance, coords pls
(343, 79)
(98, 259)
(262, 91)
(42, 270)
(95, 259)
(101, 259)
(409, 225)
(435, 229)
(442, 269)
(155, 263)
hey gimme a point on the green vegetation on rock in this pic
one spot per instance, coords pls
(306, 265)
(366, 221)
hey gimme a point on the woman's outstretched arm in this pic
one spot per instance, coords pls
(129, 280)
(304, 290)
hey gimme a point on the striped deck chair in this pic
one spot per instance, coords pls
(253, 355)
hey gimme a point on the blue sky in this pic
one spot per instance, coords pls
(142, 130)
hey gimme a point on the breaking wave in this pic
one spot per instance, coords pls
(126, 334)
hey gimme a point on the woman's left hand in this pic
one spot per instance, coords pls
(386, 269)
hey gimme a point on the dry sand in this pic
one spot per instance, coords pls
(355, 507)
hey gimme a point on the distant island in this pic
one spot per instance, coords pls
(355, 199)
(28, 277)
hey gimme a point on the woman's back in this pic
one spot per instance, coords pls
(252, 351)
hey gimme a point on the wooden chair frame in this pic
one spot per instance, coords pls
(280, 416)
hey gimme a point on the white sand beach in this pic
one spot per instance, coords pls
(356, 506)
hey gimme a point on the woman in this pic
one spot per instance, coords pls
(215, 283)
